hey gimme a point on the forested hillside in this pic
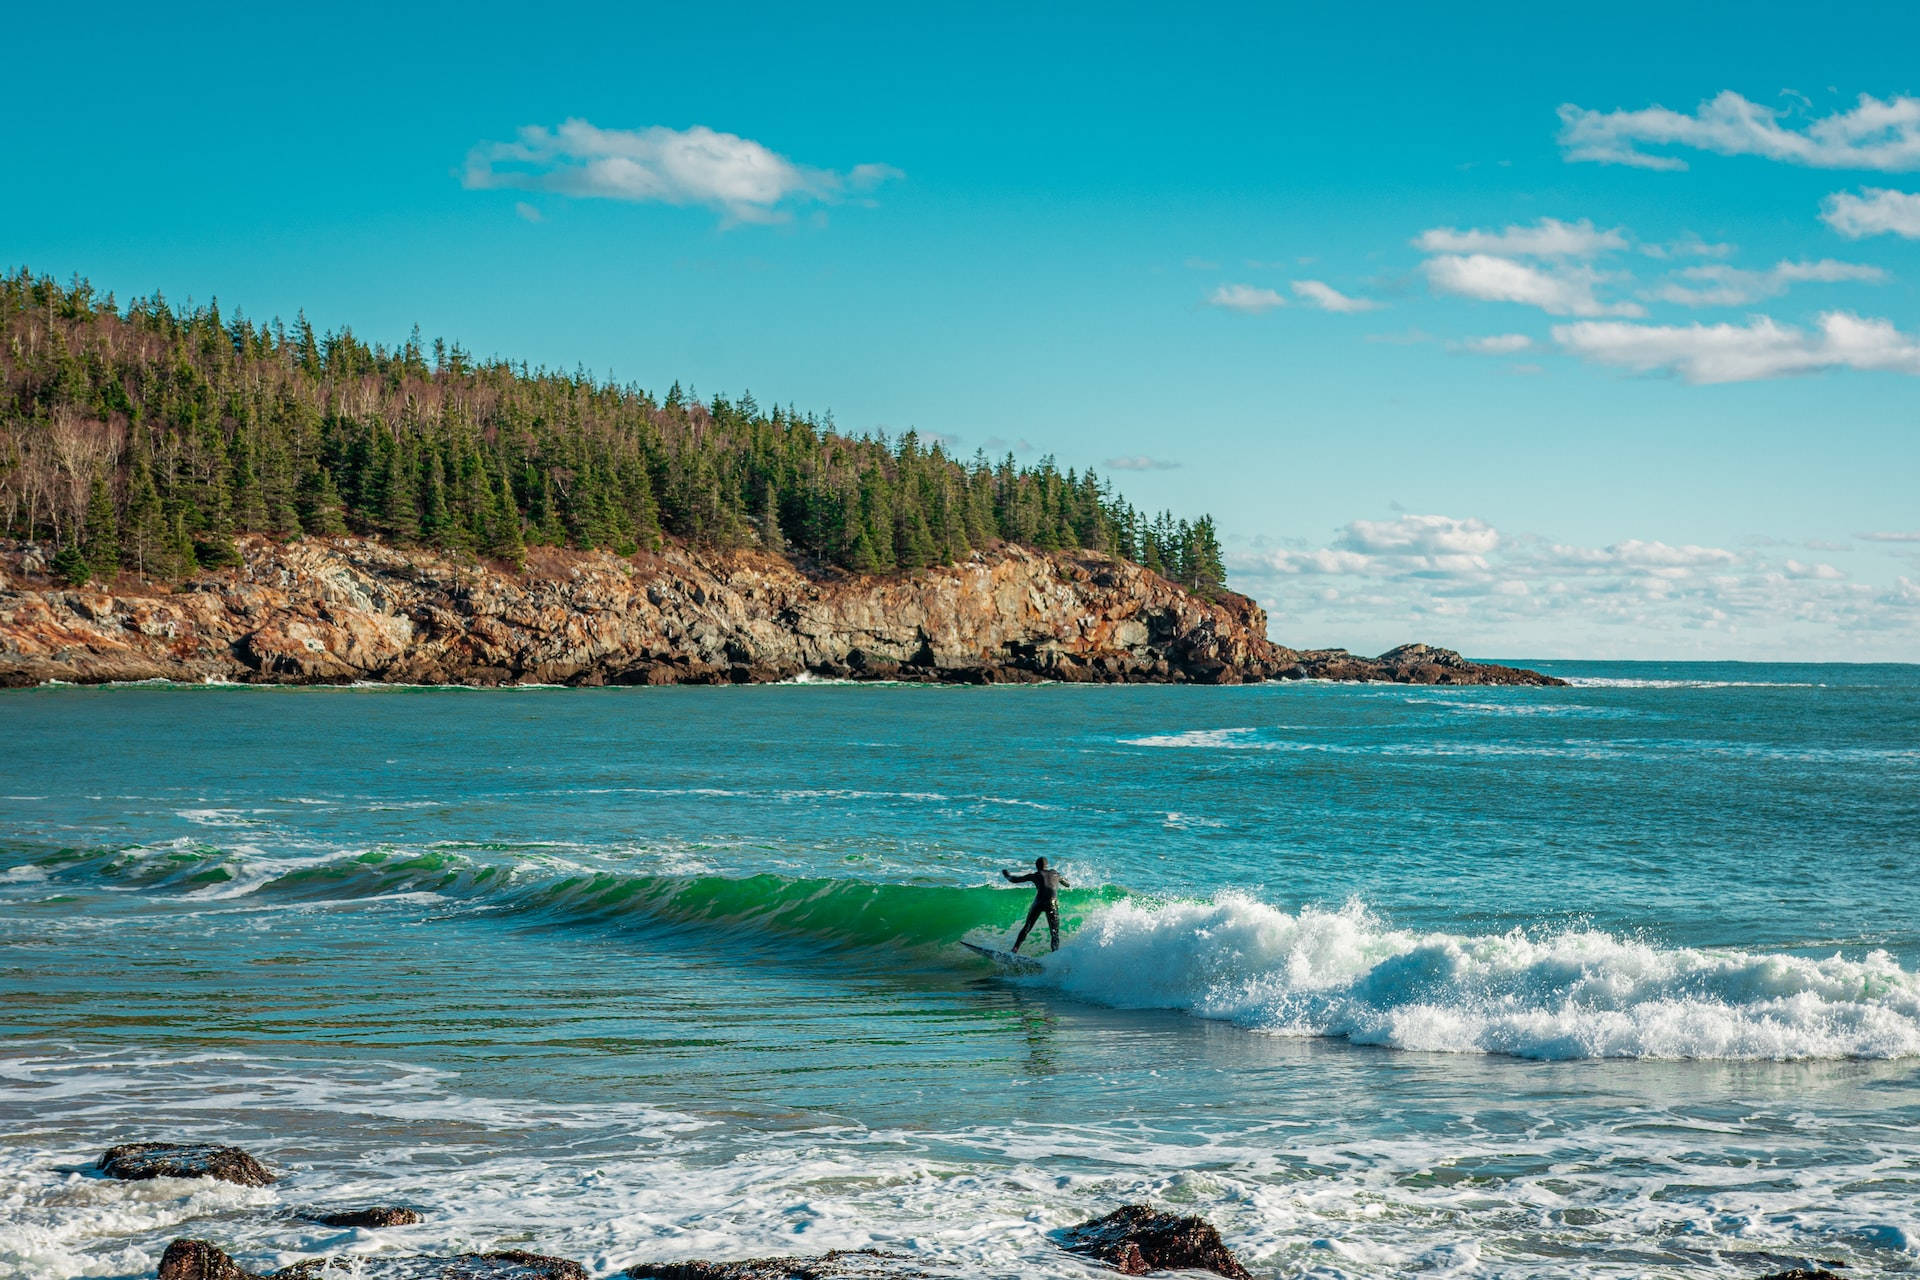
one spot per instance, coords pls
(141, 438)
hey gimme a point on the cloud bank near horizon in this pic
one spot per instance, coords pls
(1463, 577)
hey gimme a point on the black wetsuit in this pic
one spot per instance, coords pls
(1046, 889)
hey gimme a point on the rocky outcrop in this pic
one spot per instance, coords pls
(840, 1264)
(199, 1260)
(342, 610)
(138, 1161)
(1136, 1239)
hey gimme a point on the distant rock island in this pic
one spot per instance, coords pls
(342, 609)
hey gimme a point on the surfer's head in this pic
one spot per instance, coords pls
(1039, 864)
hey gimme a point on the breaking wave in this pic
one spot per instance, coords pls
(1575, 994)
(1342, 974)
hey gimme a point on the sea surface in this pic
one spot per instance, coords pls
(1620, 979)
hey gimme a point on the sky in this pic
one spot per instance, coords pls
(1591, 334)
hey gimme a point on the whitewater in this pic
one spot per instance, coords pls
(1621, 978)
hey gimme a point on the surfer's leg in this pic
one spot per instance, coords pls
(1033, 913)
(1053, 926)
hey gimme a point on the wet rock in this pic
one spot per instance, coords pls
(138, 1161)
(1803, 1273)
(379, 1217)
(840, 1264)
(199, 1260)
(1136, 1239)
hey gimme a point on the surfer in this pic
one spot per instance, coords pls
(1046, 889)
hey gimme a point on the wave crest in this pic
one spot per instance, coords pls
(1574, 994)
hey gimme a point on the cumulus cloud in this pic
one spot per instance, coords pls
(1719, 285)
(741, 178)
(1247, 298)
(1140, 462)
(1761, 348)
(1875, 134)
(1324, 296)
(1875, 211)
(1547, 238)
(1564, 290)
(1421, 543)
(1496, 344)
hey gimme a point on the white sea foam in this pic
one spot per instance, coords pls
(1637, 682)
(1230, 739)
(1576, 994)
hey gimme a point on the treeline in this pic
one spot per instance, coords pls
(143, 438)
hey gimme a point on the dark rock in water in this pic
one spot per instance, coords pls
(381, 1217)
(198, 1260)
(507, 1264)
(1803, 1273)
(1137, 1239)
(137, 1161)
(840, 1264)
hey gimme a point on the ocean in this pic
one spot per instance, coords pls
(1618, 979)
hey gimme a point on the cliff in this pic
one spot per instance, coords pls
(338, 610)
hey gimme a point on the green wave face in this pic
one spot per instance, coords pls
(832, 911)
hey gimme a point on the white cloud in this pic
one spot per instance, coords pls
(1875, 134)
(1245, 297)
(1462, 582)
(1423, 544)
(1761, 348)
(1875, 211)
(746, 181)
(1890, 535)
(528, 212)
(1325, 560)
(1547, 238)
(1689, 245)
(1327, 298)
(1141, 462)
(1496, 344)
(1559, 291)
(1719, 285)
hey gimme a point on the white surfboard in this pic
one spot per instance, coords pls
(1008, 960)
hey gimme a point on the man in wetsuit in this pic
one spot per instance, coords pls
(1046, 889)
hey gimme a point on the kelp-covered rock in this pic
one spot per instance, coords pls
(1136, 1239)
(138, 1161)
(840, 1264)
(199, 1260)
(346, 609)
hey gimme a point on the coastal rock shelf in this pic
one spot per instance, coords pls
(341, 610)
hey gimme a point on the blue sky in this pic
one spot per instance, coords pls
(1457, 336)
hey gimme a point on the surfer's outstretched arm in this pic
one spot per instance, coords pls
(1027, 878)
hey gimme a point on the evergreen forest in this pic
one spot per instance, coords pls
(141, 439)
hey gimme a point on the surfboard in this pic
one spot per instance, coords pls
(1005, 959)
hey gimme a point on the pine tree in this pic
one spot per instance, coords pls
(100, 545)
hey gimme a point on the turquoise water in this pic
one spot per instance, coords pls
(1617, 979)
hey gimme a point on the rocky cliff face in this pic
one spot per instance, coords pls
(338, 610)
